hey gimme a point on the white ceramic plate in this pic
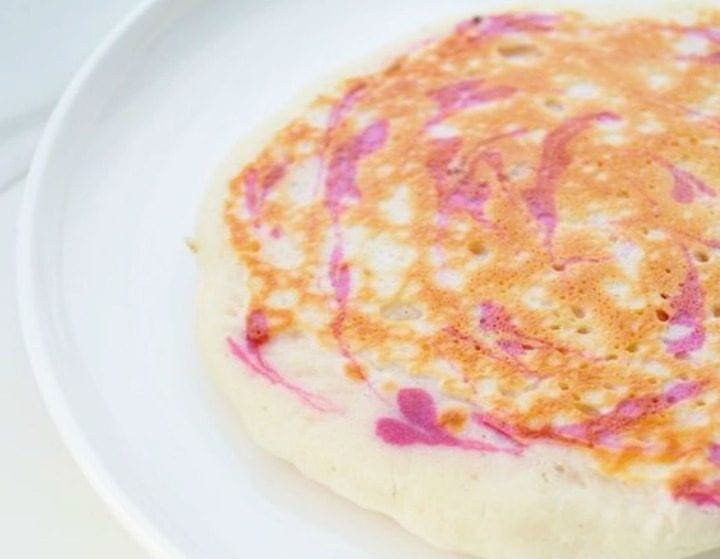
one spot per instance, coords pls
(106, 281)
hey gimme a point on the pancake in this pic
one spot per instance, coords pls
(475, 287)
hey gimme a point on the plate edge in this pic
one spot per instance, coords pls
(131, 518)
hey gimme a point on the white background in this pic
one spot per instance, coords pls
(47, 508)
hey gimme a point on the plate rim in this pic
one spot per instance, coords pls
(42, 363)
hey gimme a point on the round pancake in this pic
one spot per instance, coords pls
(475, 288)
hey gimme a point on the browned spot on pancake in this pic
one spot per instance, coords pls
(354, 372)
(452, 419)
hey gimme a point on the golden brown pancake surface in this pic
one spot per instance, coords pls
(524, 213)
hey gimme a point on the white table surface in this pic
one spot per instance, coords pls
(47, 508)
